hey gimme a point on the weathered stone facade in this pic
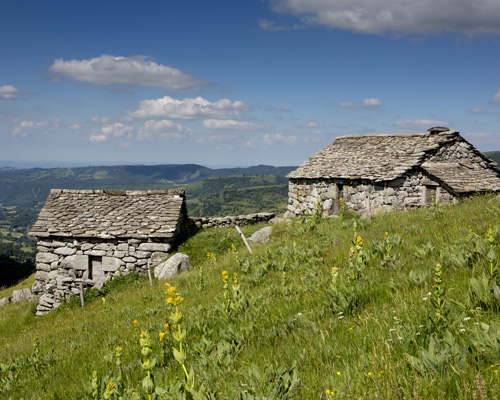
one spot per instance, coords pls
(86, 237)
(373, 173)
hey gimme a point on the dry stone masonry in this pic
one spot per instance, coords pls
(373, 173)
(85, 237)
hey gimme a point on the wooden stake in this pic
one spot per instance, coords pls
(82, 298)
(149, 275)
(244, 239)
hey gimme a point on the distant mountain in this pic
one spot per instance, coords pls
(29, 187)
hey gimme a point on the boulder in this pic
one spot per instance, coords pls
(261, 236)
(21, 295)
(173, 266)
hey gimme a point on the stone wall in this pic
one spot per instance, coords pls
(304, 195)
(229, 222)
(62, 265)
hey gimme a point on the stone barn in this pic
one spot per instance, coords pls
(85, 237)
(373, 173)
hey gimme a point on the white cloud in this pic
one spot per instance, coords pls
(269, 139)
(419, 124)
(366, 103)
(74, 127)
(478, 111)
(8, 92)
(232, 124)
(397, 16)
(23, 128)
(164, 128)
(137, 70)
(114, 130)
(198, 108)
(496, 98)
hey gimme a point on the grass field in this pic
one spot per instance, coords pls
(405, 306)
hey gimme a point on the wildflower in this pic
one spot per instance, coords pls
(162, 336)
(136, 324)
(338, 373)
(359, 240)
(466, 318)
(327, 391)
(225, 275)
(370, 374)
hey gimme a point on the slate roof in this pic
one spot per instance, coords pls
(379, 157)
(464, 178)
(111, 214)
(385, 157)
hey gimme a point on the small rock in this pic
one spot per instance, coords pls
(261, 236)
(5, 300)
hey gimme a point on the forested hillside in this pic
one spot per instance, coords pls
(29, 187)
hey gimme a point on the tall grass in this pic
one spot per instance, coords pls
(330, 308)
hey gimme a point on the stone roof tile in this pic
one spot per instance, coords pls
(378, 157)
(111, 213)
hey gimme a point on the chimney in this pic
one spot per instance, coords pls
(437, 129)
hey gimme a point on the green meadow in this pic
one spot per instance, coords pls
(402, 306)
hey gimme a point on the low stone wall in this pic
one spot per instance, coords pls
(63, 265)
(229, 222)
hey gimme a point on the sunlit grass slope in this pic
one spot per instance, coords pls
(404, 306)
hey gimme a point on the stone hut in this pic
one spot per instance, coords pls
(373, 173)
(85, 237)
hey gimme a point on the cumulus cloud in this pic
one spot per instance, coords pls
(8, 92)
(366, 103)
(198, 108)
(419, 124)
(397, 16)
(113, 130)
(163, 128)
(232, 124)
(138, 70)
(23, 128)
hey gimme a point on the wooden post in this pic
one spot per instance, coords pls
(82, 298)
(149, 275)
(244, 239)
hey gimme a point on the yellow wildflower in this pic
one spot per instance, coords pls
(359, 240)
(338, 373)
(162, 336)
(136, 324)
(225, 275)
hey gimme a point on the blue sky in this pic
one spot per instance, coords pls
(240, 82)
